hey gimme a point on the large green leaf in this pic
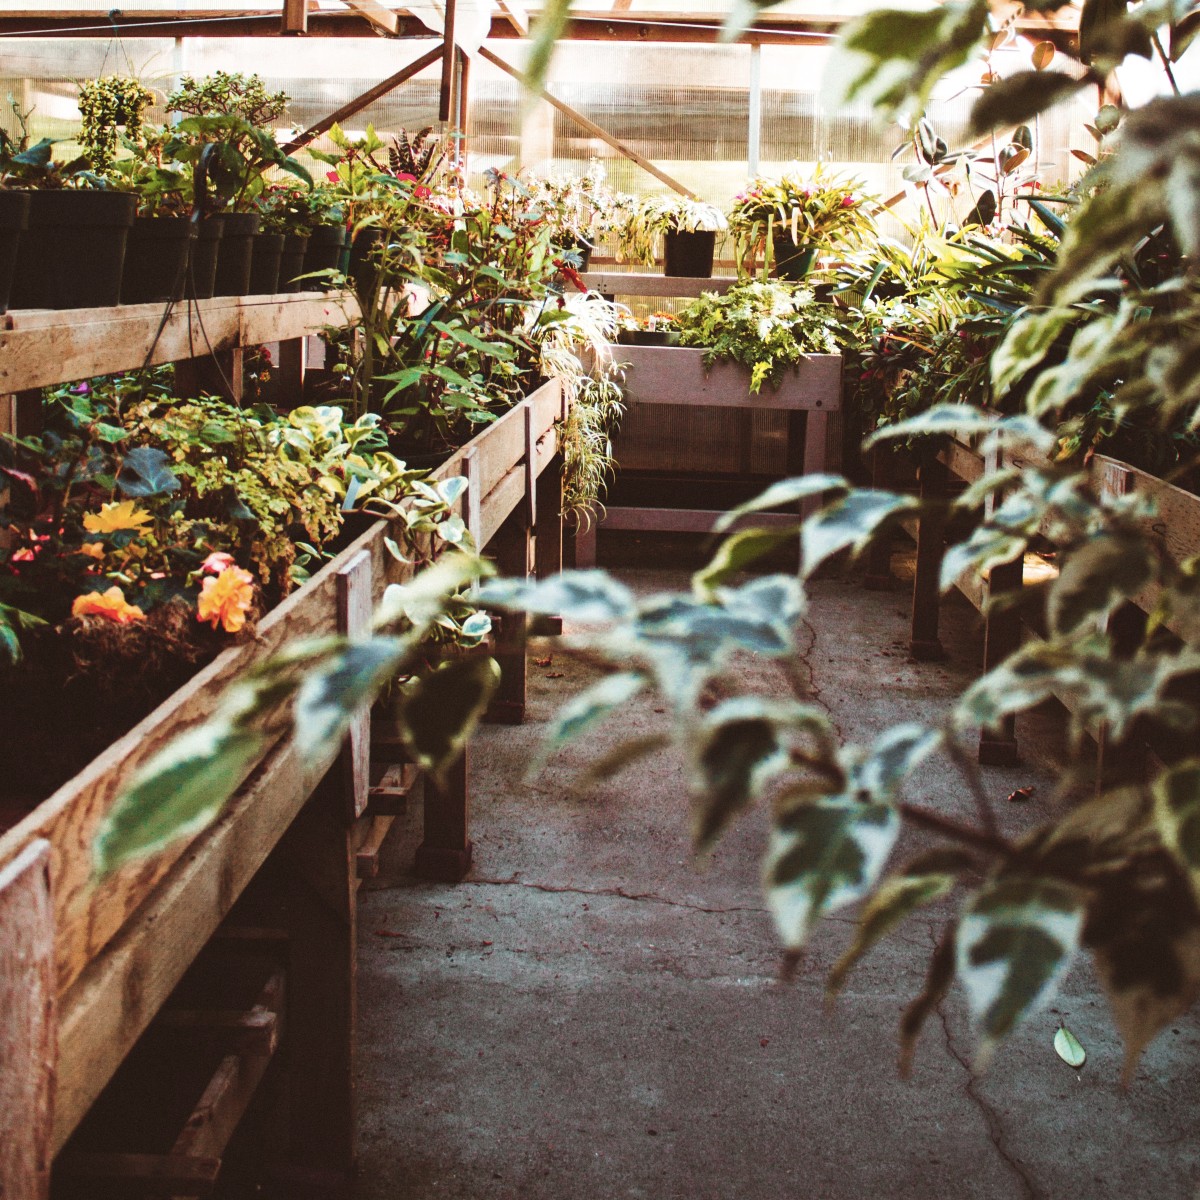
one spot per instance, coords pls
(1096, 577)
(848, 524)
(986, 549)
(822, 856)
(1026, 343)
(419, 603)
(1016, 938)
(439, 711)
(783, 494)
(1020, 97)
(737, 552)
(178, 793)
(879, 773)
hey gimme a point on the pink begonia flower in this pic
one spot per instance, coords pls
(848, 201)
(216, 562)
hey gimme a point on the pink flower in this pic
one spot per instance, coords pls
(848, 202)
(216, 562)
(332, 176)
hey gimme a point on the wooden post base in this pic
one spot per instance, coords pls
(998, 751)
(927, 651)
(445, 852)
(442, 864)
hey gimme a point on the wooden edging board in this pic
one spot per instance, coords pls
(121, 944)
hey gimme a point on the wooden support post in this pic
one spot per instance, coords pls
(463, 106)
(548, 530)
(1002, 638)
(816, 459)
(584, 530)
(445, 95)
(293, 370)
(931, 537)
(445, 852)
(28, 1026)
(512, 550)
(295, 17)
(316, 881)
(221, 374)
(28, 416)
(354, 620)
(362, 101)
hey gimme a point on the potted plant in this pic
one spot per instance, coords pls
(297, 214)
(793, 218)
(687, 227)
(581, 209)
(225, 135)
(73, 248)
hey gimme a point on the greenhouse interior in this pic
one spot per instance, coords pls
(599, 601)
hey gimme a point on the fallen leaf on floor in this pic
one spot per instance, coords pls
(554, 674)
(1021, 794)
(764, 1042)
(1068, 1048)
(544, 662)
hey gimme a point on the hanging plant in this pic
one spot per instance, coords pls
(106, 105)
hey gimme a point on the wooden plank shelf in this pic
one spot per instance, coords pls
(113, 950)
(635, 283)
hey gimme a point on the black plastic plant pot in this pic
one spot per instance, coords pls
(202, 266)
(365, 254)
(264, 266)
(235, 257)
(325, 247)
(14, 216)
(156, 259)
(792, 262)
(689, 254)
(648, 337)
(291, 263)
(73, 250)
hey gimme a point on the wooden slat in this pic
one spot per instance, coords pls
(628, 283)
(676, 375)
(367, 854)
(687, 520)
(501, 448)
(27, 1024)
(355, 602)
(42, 348)
(500, 502)
(144, 1174)
(389, 797)
(961, 461)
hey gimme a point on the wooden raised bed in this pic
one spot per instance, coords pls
(91, 962)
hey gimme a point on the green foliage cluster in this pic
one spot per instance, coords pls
(105, 105)
(766, 326)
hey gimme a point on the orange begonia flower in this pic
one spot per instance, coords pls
(226, 598)
(93, 549)
(111, 604)
(116, 517)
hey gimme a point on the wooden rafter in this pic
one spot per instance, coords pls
(591, 126)
(385, 20)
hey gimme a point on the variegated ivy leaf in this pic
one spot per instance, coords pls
(783, 494)
(880, 772)
(586, 710)
(942, 420)
(737, 749)
(420, 601)
(986, 549)
(1143, 928)
(847, 524)
(1016, 938)
(1096, 577)
(1177, 814)
(587, 597)
(1026, 343)
(737, 552)
(894, 900)
(1089, 353)
(822, 856)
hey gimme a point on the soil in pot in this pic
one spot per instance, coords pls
(156, 259)
(73, 250)
(264, 265)
(291, 263)
(235, 256)
(689, 254)
(14, 215)
(325, 246)
(792, 261)
(202, 265)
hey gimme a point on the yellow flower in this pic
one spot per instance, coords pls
(117, 516)
(226, 598)
(111, 604)
(93, 549)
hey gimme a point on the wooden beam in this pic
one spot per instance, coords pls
(447, 64)
(514, 10)
(295, 17)
(383, 19)
(591, 126)
(463, 106)
(360, 102)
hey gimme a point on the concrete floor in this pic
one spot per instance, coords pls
(590, 1016)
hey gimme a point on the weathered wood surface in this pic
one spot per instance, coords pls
(41, 347)
(356, 601)
(27, 1024)
(630, 283)
(676, 375)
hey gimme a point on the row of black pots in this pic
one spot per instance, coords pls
(87, 249)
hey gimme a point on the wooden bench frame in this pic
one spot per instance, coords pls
(94, 960)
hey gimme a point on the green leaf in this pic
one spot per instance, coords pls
(588, 709)
(782, 495)
(547, 29)
(424, 598)
(848, 523)
(1177, 814)
(942, 420)
(439, 711)
(1096, 577)
(1016, 938)
(1020, 97)
(894, 900)
(986, 549)
(464, 337)
(589, 597)
(178, 793)
(1067, 1047)
(1026, 343)
(146, 471)
(822, 856)
(891, 759)
(737, 552)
